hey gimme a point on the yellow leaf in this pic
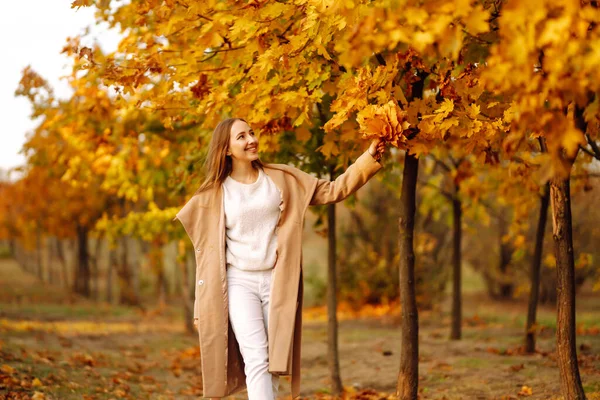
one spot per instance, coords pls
(473, 111)
(422, 40)
(386, 122)
(329, 149)
(321, 50)
(571, 141)
(303, 134)
(525, 391)
(7, 369)
(477, 21)
(555, 30)
(591, 111)
(36, 382)
(446, 108)
(81, 3)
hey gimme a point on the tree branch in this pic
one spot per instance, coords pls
(593, 145)
(441, 163)
(588, 152)
(444, 193)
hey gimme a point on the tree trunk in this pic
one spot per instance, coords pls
(155, 254)
(38, 254)
(505, 286)
(60, 253)
(52, 279)
(127, 292)
(82, 272)
(134, 269)
(560, 194)
(456, 259)
(96, 269)
(408, 377)
(186, 286)
(536, 264)
(112, 262)
(332, 323)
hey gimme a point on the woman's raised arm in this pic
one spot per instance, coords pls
(352, 179)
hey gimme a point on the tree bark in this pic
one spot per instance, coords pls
(560, 195)
(536, 264)
(332, 322)
(112, 262)
(38, 254)
(186, 286)
(52, 278)
(156, 261)
(505, 286)
(408, 377)
(455, 334)
(60, 253)
(82, 272)
(127, 292)
(96, 269)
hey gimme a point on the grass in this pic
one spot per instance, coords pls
(154, 358)
(61, 311)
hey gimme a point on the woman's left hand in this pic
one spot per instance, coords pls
(377, 148)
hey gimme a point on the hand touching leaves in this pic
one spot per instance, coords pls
(377, 148)
(387, 122)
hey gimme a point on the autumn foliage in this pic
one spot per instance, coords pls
(495, 97)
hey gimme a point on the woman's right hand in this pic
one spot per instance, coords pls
(377, 148)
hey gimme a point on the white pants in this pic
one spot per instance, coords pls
(249, 294)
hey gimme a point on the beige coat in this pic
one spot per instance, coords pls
(204, 221)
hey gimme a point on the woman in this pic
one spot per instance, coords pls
(245, 222)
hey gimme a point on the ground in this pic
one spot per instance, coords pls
(55, 346)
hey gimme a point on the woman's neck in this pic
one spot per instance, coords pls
(243, 172)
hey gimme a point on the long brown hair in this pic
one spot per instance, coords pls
(218, 164)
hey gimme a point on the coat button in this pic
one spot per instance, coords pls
(200, 282)
(198, 250)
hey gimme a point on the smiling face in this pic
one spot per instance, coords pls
(243, 145)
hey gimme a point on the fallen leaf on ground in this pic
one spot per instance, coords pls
(517, 368)
(525, 391)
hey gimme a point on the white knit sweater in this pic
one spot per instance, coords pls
(251, 216)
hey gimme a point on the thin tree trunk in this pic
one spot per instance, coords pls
(127, 290)
(186, 285)
(38, 254)
(54, 270)
(536, 264)
(505, 287)
(49, 260)
(63, 262)
(332, 322)
(134, 268)
(156, 261)
(456, 259)
(82, 277)
(408, 377)
(560, 194)
(112, 262)
(96, 269)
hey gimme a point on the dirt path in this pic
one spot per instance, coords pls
(88, 351)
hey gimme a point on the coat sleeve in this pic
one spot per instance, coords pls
(357, 174)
